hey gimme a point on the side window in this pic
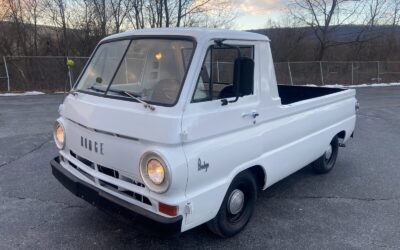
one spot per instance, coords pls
(216, 77)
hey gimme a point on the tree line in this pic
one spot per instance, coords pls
(310, 29)
(337, 30)
(73, 27)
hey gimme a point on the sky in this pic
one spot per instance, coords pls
(254, 14)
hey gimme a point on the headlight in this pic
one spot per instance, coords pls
(155, 172)
(59, 135)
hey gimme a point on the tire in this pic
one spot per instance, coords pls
(227, 224)
(327, 161)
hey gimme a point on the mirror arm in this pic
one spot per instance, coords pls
(220, 43)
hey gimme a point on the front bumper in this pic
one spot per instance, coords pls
(102, 199)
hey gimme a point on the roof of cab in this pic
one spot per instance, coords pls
(197, 33)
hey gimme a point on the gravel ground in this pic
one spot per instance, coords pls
(356, 206)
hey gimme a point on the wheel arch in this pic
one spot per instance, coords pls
(341, 134)
(260, 175)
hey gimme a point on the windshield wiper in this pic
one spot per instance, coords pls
(131, 95)
(125, 93)
(145, 104)
(96, 89)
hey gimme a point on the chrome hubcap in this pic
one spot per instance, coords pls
(328, 152)
(236, 201)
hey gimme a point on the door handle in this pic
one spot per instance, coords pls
(252, 114)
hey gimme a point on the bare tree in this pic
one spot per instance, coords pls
(293, 46)
(136, 16)
(33, 11)
(189, 10)
(155, 10)
(57, 12)
(74, 26)
(396, 12)
(217, 14)
(376, 11)
(83, 26)
(16, 16)
(119, 11)
(325, 17)
(101, 15)
(3, 10)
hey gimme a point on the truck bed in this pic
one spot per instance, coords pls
(292, 94)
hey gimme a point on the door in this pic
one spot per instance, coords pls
(218, 138)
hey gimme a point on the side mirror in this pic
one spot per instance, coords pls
(246, 76)
(243, 78)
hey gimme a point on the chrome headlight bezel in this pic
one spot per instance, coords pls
(58, 124)
(165, 184)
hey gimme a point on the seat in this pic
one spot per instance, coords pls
(166, 91)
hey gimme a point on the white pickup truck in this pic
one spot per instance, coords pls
(186, 126)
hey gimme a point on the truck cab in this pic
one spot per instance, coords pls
(185, 126)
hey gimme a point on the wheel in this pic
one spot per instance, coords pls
(327, 161)
(237, 206)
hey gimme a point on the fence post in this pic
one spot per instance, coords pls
(290, 73)
(70, 78)
(8, 76)
(379, 77)
(322, 72)
(218, 71)
(352, 73)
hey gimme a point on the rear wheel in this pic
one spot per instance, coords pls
(327, 161)
(237, 206)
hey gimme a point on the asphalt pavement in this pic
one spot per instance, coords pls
(356, 206)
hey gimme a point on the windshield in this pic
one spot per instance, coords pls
(152, 70)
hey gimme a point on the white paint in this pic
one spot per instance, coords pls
(282, 139)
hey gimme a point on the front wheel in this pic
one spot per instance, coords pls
(237, 206)
(327, 161)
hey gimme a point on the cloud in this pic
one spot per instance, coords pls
(261, 7)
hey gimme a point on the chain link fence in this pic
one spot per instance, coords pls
(50, 74)
(332, 73)
(47, 73)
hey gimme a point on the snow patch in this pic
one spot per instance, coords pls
(355, 86)
(375, 85)
(334, 86)
(23, 94)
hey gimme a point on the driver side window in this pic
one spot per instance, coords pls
(216, 77)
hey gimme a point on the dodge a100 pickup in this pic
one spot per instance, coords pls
(186, 126)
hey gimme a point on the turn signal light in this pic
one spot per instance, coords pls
(167, 209)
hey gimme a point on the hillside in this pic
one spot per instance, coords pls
(351, 42)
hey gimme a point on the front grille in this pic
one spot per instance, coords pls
(112, 173)
(83, 160)
(125, 192)
(108, 171)
(116, 174)
(82, 171)
(108, 185)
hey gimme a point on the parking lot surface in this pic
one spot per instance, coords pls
(356, 206)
